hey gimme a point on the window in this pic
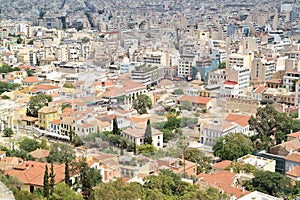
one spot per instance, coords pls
(158, 144)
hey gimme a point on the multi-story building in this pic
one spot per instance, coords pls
(290, 78)
(263, 69)
(240, 75)
(240, 60)
(211, 131)
(186, 62)
(147, 75)
(137, 135)
(46, 115)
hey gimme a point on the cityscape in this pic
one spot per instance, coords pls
(160, 100)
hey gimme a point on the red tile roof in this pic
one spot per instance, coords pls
(295, 172)
(222, 165)
(31, 79)
(194, 99)
(45, 87)
(230, 83)
(242, 120)
(294, 157)
(295, 135)
(32, 172)
(224, 181)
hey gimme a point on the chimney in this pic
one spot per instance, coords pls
(243, 189)
(231, 170)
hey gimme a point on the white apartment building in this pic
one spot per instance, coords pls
(185, 64)
(137, 135)
(289, 78)
(241, 75)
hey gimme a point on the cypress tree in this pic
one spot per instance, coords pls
(46, 183)
(52, 179)
(148, 134)
(67, 173)
(115, 127)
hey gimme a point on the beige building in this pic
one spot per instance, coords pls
(260, 163)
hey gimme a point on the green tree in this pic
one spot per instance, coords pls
(222, 65)
(199, 157)
(269, 122)
(52, 179)
(118, 190)
(94, 176)
(44, 145)
(8, 132)
(67, 173)
(5, 97)
(69, 85)
(232, 146)
(187, 105)
(272, 183)
(63, 192)
(4, 87)
(36, 103)
(71, 135)
(146, 149)
(29, 72)
(28, 144)
(142, 103)
(5, 68)
(238, 167)
(85, 40)
(115, 130)
(60, 152)
(24, 195)
(77, 141)
(178, 91)
(46, 183)
(148, 134)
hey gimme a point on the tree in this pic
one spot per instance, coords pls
(115, 130)
(232, 146)
(197, 156)
(60, 153)
(85, 40)
(36, 103)
(69, 85)
(67, 173)
(28, 144)
(238, 167)
(142, 103)
(272, 183)
(178, 91)
(187, 105)
(52, 179)
(268, 122)
(222, 65)
(8, 132)
(29, 72)
(94, 176)
(44, 145)
(46, 183)
(4, 87)
(77, 141)
(118, 190)
(5, 97)
(62, 192)
(148, 134)
(71, 134)
(146, 149)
